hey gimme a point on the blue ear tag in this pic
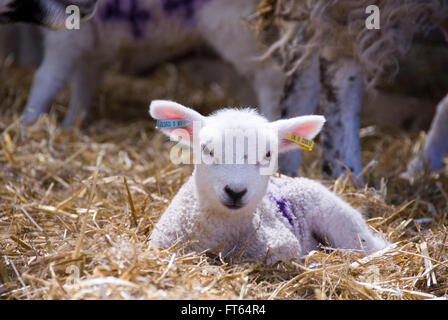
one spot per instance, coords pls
(172, 123)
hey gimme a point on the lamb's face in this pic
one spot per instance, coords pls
(235, 151)
(239, 153)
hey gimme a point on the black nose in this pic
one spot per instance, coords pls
(234, 195)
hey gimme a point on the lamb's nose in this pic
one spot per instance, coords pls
(234, 195)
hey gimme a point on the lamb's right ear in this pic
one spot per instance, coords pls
(305, 126)
(169, 110)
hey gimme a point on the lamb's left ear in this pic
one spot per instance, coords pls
(307, 127)
(169, 110)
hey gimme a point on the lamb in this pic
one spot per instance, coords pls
(237, 206)
(49, 13)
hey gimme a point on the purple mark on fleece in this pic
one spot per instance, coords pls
(186, 6)
(282, 205)
(135, 15)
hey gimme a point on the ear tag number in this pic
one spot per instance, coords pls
(172, 123)
(303, 143)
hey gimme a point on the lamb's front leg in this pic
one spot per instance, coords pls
(435, 145)
(272, 241)
(336, 222)
(341, 100)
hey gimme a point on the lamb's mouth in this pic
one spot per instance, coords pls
(233, 205)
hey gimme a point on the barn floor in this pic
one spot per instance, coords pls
(77, 207)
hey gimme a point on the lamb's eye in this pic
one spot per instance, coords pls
(207, 151)
(268, 155)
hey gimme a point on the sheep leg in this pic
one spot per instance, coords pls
(30, 46)
(283, 247)
(21, 41)
(341, 100)
(435, 145)
(51, 76)
(300, 97)
(84, 86)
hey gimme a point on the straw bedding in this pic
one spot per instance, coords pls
(83, 202)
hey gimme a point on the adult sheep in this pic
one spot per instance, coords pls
(319, 40)
(331, 57)
(144, 33)
(149, 32)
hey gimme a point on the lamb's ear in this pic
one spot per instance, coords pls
(307, 127)
(169, 110)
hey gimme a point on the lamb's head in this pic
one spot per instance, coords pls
(234, 150)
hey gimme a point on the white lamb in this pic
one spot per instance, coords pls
(237, 208)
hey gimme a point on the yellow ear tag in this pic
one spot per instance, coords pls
(303, 143)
